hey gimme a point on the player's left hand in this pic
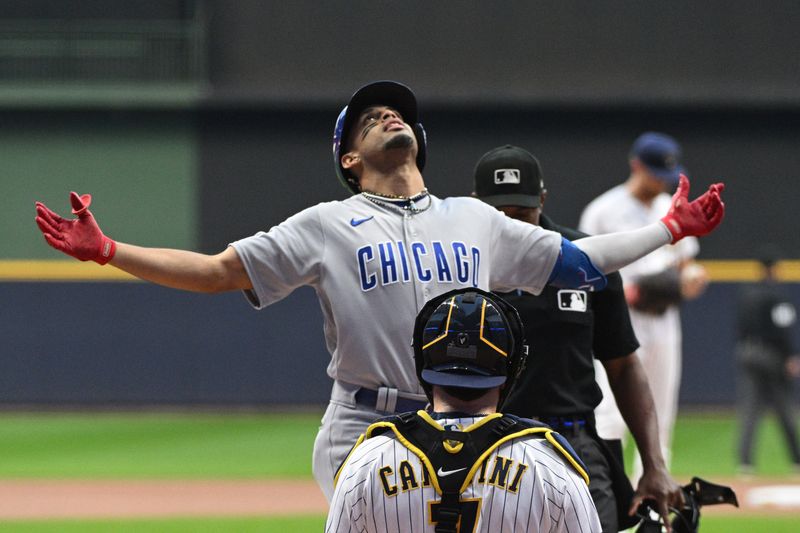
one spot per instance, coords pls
(658, 486)
(695, 218)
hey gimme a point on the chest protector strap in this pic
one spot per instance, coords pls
(451, 458)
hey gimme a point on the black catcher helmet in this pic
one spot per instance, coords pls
(468, 338)
(389, 93)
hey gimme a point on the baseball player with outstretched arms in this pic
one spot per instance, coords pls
(377, 257)
(463, 467)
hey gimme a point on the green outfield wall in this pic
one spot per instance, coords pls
(140, 167)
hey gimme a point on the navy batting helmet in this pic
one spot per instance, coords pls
(469, 338)
(388, 93)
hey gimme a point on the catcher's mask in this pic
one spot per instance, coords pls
(387, 93)
(687, 519)
(469, 338)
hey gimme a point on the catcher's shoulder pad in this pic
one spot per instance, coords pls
(526, 426)
(379, 427)
(465, 451)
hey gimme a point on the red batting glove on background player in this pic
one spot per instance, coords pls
(79, 237)
(695, 218)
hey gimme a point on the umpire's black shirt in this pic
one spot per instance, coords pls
(565, 329)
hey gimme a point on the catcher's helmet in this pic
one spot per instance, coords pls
(468, 338)
(388, 93)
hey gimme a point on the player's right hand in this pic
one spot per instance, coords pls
(79, 237)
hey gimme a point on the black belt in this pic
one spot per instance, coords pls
(565, 422)
(382, 402)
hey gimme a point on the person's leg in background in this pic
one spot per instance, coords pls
(750, 407)
(660, 354)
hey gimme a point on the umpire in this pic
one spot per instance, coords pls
(566, 329)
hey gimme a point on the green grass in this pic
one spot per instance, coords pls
(748, 524)
(135, 445)
(235, 446)
(705, 445)
(241, 446)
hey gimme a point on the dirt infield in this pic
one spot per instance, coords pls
(38, 499)
(125, 499)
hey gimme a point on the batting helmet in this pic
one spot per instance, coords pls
(468, 338)
(388, 93)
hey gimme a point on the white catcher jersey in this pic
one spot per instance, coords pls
(524, 485)
(374, 267)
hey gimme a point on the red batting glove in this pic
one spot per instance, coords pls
(696, 218)
(79, 237)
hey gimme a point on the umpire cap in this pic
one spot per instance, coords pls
(468, 338)
(509, 175)
(388, 93)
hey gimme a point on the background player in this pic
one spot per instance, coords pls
(375, 258)
(766, 360)
(569, 329)
(654, 286)
(468, 346)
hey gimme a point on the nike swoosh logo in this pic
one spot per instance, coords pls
(356, 221)
(443, 473)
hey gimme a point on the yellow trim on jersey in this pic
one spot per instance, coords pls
(491, 448)
(452, 448)
(416, 451)
(455, 448)
(361, 439)
(552, 440)
(484, 339)
(484, 420)
(432, 472)
(446, 326)
(528, 431)
(427, 418)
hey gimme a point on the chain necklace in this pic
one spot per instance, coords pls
(404, 203)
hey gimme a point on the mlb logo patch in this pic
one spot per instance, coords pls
(572, 300)
(506, 176)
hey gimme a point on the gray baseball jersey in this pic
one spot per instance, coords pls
(374, 267)
(523, 485)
